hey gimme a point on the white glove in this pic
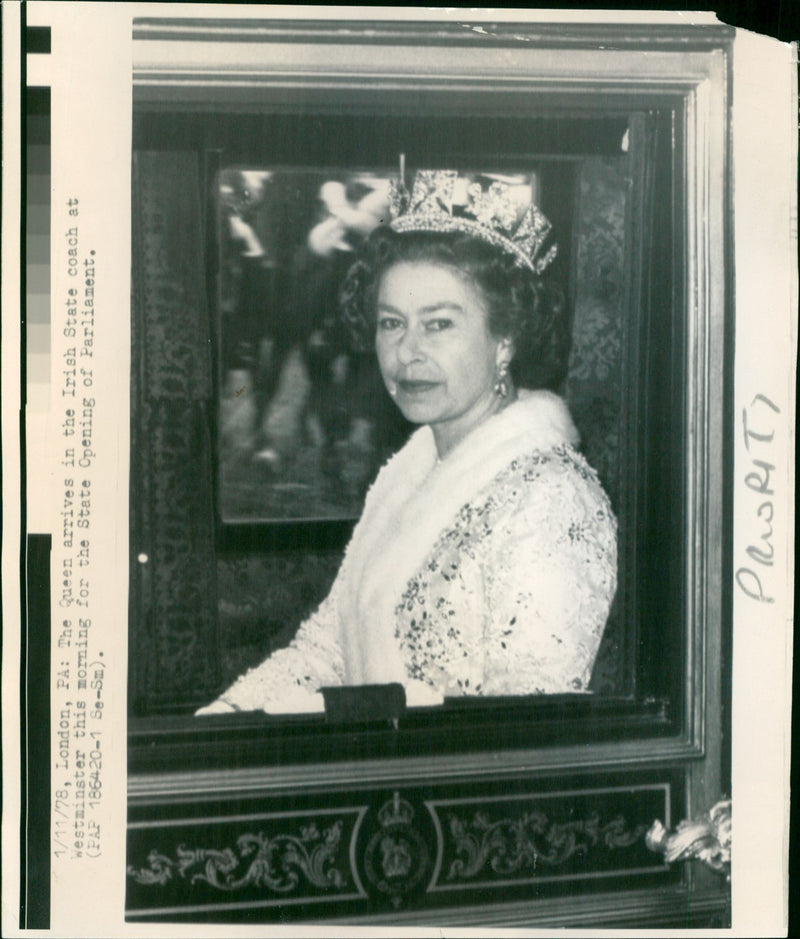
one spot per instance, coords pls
(216, 707)
(298, 701)
(419, 694)
(301, 701)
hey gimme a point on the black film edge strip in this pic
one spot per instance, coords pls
(35, 762)
(35, 748)
(37, 39)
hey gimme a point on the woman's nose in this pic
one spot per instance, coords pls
(409, 347)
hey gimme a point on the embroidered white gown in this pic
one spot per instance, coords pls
(488, 573)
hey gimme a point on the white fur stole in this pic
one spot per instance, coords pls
(412, 501)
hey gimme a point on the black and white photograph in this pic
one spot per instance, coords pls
(428, 469)
(422, 489)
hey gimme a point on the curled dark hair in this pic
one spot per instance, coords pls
(521, 305)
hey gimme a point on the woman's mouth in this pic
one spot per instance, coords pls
(411, 386)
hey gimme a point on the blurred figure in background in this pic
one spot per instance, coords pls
(302, 413)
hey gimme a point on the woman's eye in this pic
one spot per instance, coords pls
(388, 323)
(437, 325)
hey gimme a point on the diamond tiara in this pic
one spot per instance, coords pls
(483, 206)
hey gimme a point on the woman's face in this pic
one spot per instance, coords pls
(435, 351)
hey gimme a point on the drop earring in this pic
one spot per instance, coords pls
(501, 385)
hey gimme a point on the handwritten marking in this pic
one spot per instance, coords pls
(759, 435)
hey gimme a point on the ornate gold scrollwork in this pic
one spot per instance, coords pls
(707, 838)
(277, 862)
(511, 845)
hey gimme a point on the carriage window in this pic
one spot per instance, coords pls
(258, 428)
(299, 422)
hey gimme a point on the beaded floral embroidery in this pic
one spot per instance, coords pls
(513, 598)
